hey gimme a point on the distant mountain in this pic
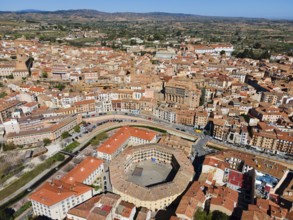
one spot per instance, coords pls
(29, 11)
(85, 15)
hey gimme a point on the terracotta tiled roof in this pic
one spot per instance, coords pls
(31, 104)
(83, 210)
(192, 199)
(57, 191)
(36, 89)
(84, 102)
(266, 166)
(121, 136)
(83, 170)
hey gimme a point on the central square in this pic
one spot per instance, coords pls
(149, 173)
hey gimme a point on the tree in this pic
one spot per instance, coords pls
(202, 97)
(44, 74)
(59, 157)
(257, 45)
(246, 54)
(65, 135)
(77, 128)
(59, 86)
(217, 215)
(47, 141)
(223, 52)
(200, 214)
(265, 55)
(96, 140)
(133, 42)
(3, 94)
(158, 36)
(10, 77)
(7, 213)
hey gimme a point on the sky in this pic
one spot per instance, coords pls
(229, 8)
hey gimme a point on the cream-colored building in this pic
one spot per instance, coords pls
(182, 92)
(154, 197)
(53, 132)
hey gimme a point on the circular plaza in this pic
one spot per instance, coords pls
(151, 175)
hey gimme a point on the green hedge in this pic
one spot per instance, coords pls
(22, 209)
(71, 147)
(96, 140)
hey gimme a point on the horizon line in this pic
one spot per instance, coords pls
(113, 12)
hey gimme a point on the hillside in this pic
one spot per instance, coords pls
(93, 15)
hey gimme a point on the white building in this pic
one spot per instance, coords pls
(6, 70)
(123, 137)
(214, 167)
(86, 172)
(11, 126)
(54, 199)
(218, 48)
(29, 107)
(165, 113)
(203, 49)
(20, 73)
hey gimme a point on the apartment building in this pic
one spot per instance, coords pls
(123, 137)
(223, 199)
(54, 199)
(218, 48)
(53, 132)
(272, 141)
(6, 69)
(264, 209)
(220, 131)
(177, 142)
(85, 106)
(125, 211)
(271, 97)
(7, 107)
(200, 119)
(165, 112)
(243, 172)
(185, 117)
(202, 194)
(101, 207)
(29, 107)
(20, 73)
(86, 172)
(11, 126)
(267, 114)
(193, 199)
